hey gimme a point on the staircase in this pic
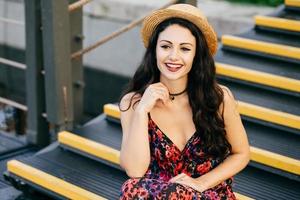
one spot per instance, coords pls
(262, 69)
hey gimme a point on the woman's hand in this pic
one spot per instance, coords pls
(152, 94)
(185, 180)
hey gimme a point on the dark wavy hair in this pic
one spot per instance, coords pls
(205, 95)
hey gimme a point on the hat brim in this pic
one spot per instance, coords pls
(153, 20)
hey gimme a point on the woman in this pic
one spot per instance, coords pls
(182, 134)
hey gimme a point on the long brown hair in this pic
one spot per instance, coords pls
(205, 95)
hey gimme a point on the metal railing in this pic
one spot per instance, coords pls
(52, 98)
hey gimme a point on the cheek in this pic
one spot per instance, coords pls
(160, 55)
(189, 59)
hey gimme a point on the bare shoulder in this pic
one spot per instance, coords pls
(128, 99)
(229, 102)
(227, 93)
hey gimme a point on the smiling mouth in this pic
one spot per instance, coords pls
(173, 67)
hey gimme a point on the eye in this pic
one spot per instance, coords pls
(165, 46)
(185, 49)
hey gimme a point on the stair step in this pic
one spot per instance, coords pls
(289, 14)
(266, 44)
(277, 23)
(275, 160)
(258, 77)
(269, 115)
(63, 174)
(89, 146)
(292, 3)
(282, 142)
(25, 152)
(260, 64)
(262, 104)
(266, 185)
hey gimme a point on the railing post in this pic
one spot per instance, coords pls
(57, 63)
(76, 37)
(37, 126)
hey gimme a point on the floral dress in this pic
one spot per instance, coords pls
(167, 161)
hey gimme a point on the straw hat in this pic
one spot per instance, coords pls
(184, 11)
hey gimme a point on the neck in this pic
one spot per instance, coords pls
(176, 86)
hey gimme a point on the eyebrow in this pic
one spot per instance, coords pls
(180, 43)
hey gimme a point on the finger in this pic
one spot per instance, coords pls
(154, 89)
(179, 176)
(159, 94)
(166, 93)
(162, 86)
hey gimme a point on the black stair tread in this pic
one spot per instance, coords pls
(273, 140)
(284, 13)
(290, 14)
(261, 97)
(88, 174)
(103, 131)
(271, 66)
(29, 151)
(271, 37)
(281, 142)
(9, 144)
(262, 185)
(293, 8)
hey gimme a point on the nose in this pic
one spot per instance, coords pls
(173, 54)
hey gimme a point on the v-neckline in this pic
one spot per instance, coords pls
(169, 139)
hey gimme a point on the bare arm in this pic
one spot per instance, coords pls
(135, 150)
(235, 162)
(236, 136)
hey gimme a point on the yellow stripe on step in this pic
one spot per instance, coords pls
(50, 182)
(242, 197)
(278, 23)
(260, 46)
(293, 3)
(258, 77)
(275, 160)
(112, 110)
(266, 114)
(89, 146)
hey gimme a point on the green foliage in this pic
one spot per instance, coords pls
(260, 2)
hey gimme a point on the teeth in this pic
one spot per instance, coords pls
(173, 65)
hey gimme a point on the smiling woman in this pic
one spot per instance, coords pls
(175, 51)
(182, 134)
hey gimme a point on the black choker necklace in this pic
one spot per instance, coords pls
(172, 96)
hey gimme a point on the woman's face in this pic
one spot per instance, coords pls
(175, 52)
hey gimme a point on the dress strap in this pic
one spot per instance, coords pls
(149, 116)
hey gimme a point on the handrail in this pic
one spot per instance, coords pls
(12, 63)
(115, 34)
(13, 103)
(78, 4)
